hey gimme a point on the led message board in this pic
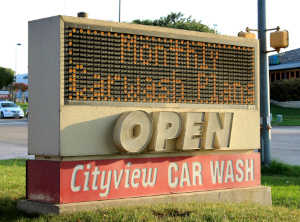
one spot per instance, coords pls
(139, 67)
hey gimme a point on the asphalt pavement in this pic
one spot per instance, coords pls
(14, 138)
(285, 144)
(285, 141)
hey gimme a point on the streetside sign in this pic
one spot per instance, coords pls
(118, 178)
(123, 110)
(4, 94)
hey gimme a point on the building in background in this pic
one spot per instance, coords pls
(19, 79)
(284, 65)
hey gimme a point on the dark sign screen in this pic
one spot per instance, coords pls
(124, 67)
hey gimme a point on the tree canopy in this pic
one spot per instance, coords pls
(19, 86)
(176, 20)
(6, 77)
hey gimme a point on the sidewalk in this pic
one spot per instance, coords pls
(8, 151)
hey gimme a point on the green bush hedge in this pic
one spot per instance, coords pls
(285, 90)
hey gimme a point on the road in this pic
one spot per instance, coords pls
(285, 142)
(14, 138)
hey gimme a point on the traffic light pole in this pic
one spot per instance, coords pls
(264, 85)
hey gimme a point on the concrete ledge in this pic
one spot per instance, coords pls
(289, 104)
(260, 195)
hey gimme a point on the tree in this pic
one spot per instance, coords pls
(23, 87)
(19, 86)
(176, 20)
(7, 77)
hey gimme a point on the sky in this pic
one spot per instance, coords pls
(230, 16)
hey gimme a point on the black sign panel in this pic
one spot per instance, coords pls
(125, 67)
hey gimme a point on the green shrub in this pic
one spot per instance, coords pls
(285, 90)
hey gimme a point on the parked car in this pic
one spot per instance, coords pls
(10, 109)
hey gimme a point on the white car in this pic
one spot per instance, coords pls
(10, 109)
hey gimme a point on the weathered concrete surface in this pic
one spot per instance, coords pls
(260, 195)
(66, 128)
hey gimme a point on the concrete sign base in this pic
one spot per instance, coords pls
(93, 180)
(260, 195)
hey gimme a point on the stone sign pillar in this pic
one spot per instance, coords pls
(127, 114)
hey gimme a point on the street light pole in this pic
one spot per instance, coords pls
(16, 60)
(119, 10)
(264, 85)
(215, 25)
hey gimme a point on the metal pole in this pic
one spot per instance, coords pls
(119, 10)
(215, 28)
(264, 83)
(16, 60)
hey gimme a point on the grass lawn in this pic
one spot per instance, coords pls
(24, 106)
(285, 194)
(285, 190)
(284, 181)
(290, 116)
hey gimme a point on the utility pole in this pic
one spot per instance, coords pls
(119, 10)
(16, 66)
(264, 85)
(215, 25)
(16, 59)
